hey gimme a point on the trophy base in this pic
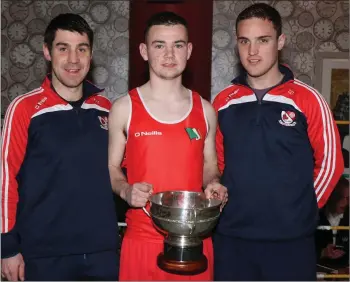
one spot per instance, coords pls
(183, 260)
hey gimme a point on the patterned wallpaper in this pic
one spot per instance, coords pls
(310, 26)
(22, 27)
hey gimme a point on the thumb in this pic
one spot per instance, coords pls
(21, 272)
(208, 192)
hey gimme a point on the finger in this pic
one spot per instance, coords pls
(208, 192)
(5, 274)
(21, 272)
(139, 202)
(144, 187)
(221, 191)
(149, 190)
(14, 274)
(143, 195)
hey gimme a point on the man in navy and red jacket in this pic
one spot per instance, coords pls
(58, 214)
(280, 157)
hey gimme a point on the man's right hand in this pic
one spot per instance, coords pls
(332, 252)
(13, 268)
(137, 195)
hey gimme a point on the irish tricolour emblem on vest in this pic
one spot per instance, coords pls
(193, 133)
(287, 118)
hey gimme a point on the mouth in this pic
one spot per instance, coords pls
(169, 65)
(254, 61)
(72, 71)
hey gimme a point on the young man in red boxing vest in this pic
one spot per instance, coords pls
(168, 134)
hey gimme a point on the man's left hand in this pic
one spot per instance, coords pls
(216, 190)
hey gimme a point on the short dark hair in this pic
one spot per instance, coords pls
(70, 22)
(262, 11)
(165, 18)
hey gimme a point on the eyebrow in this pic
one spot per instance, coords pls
(66, 44)
(161, 41)
(260, 37)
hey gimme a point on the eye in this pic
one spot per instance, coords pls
(62, 49)
(158, 46)
(179, 46)
(243, 41)
(82, 50)
(264, 40)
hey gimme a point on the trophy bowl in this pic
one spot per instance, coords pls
(185, 218)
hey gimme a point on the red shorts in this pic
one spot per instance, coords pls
(138, 261)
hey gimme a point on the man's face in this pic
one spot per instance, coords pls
(166, 50)
(258, 45)
(70, 57)
(343, 202)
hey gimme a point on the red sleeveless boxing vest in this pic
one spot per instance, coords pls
(168, 155)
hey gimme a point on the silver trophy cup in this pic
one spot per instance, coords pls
(184, 218)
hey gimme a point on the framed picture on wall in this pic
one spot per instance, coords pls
(332, 75)
(332, 81)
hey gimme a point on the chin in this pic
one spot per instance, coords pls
(257, 71)
(255, 74)
(170, 76)
(73, 84)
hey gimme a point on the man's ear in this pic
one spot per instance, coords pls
(281, 41)
(189, 49)
(46, 52)
(143, 51)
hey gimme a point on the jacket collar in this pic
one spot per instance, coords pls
(286, 71)
(89, 88)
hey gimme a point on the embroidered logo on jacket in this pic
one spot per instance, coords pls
(288, 118)
(40, 103)
(103, 122)
(193, 133)
(231, 94)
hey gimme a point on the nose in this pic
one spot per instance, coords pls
(73, 57)
(169, 52)
(253, 49)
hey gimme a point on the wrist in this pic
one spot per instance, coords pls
(124, 191)
(214, 180)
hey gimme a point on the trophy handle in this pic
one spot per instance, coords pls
(146, 212)
(194, 221)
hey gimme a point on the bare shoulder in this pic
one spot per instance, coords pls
(208, 109)
(120, 110)
(122, 104)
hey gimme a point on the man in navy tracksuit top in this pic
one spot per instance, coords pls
(58, 215)
(279, 154)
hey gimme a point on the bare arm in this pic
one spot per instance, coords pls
(210, 170)
(136, 194)
(118, 117)
(211, 174)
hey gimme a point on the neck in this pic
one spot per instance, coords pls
(267, 80)
(67, 93)
(162, 89)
